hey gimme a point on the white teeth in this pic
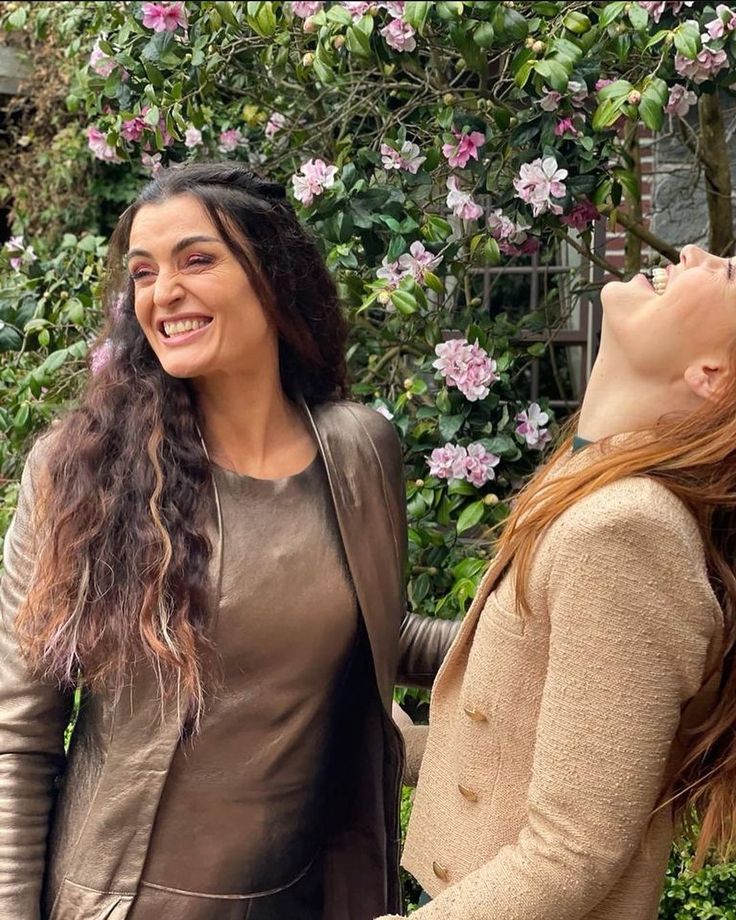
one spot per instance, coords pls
(186, 325)
(659, 280)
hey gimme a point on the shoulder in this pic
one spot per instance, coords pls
(638, 513)
(42, 450)
(355, 420)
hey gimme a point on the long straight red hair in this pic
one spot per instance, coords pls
(695, 458)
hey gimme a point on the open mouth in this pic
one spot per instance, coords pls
(175, 328)
(659, 278)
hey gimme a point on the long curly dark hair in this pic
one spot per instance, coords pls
(122, 575)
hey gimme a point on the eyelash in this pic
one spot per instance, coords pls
(191, 261)
(729, 270)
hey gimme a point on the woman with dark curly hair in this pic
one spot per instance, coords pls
(210, 549)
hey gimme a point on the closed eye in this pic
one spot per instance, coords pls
(729, 270)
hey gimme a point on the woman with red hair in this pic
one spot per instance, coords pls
(586, 711)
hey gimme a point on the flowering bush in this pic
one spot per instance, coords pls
(422, 142)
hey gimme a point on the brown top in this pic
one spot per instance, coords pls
(552, 737)
(241, 809)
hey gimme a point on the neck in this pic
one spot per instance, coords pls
(247, 419)
(616, 402)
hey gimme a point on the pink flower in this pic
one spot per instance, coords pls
(306, 9)
(706, 65)
(467, 367)
(132, 129)
(680, 100)
(565, 125)
(581, 215)
(192, 137)
(655, 10)
(467, 146)
(444, 460)
(152, 163)
(604, 81)
(100, 356)
(530, 427)
(391, 273)
(357, 9)
(230, 140)
(418, 261)
(725, 22)
(461, 203)
(20, 253)
(100, 62)
(512, 238)
(275, 123)
(479, 464)
(578, 92)
(97, 143)
(551, 99)
(384, 411)
(395, 8)
(164, 17)
(407, 158)
(539, 182)
(399, 35)
(315, 177)
(474, 463)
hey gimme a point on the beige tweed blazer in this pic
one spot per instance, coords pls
(552, 737)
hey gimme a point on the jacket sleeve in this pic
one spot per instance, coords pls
(632, 624)
(423, 644)
(33, 717)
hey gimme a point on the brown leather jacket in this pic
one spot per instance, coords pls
(74, 830)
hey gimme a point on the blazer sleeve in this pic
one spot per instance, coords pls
(632, 622)
(33, 718)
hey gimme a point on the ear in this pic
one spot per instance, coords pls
(706, 378)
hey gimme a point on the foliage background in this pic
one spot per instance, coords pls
(516, 82)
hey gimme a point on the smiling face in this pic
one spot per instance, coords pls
(685, 333)
(193, 299)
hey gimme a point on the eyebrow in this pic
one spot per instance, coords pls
(182, 244)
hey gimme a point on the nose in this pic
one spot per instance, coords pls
(167, 291)
(692, 255)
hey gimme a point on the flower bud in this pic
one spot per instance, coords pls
(448, 98)
(419, 483)
(538, 47)
(338, 41)
(309, 25)
(408, 383)
(528, 41)
(383, 297)
(308, 59)
(490, 499)
(634, 97)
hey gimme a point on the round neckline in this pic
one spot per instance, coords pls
(246, 477)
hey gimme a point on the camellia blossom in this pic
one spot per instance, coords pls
(531, 424)
(581, 215)
(19, 252)
(467, 367)
(315, 177)
(680, 100)
(461, 202)
(724, 22)
(418, 261)
(467, 147)
(357, 8)
(539, 182)
(406, 158)
(132, 129)
(152, 162)
(192, 137)
(474, 463)
(656, 9)
(275, 123)
(306, 9)
(230, 140)
(566, 126)
(391, 273)
(164, 17)
(551, 100)
(513, 239)
(399, 35)
(97, 143)
(706, 65)
(101, 63)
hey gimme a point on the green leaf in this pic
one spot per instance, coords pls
(434, 283)
(17, 18)
(629, 181)
(606, 113)
(611, 12)
(619, 89)
(554, 73)
(228, 14)
(404, 302)
(449, 425)
(638, 17)
(470, 516)
(415, 13)
(484, 35)
(357, 41)
(687, 39)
